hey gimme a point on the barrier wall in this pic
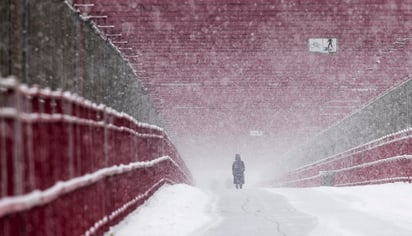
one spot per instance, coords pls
(70, 167)
(384, 160)
(372, 145)
(385, 115)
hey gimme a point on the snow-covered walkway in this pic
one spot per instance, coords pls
(258, 212)
(378, 210)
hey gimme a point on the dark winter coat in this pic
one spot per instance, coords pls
(238, 169)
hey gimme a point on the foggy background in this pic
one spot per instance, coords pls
(226, 77)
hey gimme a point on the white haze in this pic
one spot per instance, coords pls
(210, 160)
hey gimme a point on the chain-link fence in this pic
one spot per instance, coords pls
(387, 114)
(47, 43)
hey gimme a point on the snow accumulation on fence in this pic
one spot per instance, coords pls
(38, 198)
(64, 155)
(386, 159)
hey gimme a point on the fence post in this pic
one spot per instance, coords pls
(18, 143)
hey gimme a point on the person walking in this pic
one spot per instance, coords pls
(238, 169)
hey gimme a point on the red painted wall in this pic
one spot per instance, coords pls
(70, 167)
(388, 159)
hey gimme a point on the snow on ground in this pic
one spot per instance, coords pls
(173, 210)
(361, 210)
(378, 210)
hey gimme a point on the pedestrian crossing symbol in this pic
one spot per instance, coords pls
(323, 45)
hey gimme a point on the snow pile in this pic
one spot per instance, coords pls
(361, 210)
(173, 210)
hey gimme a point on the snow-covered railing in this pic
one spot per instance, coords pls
(71, 167)
(374, 123)
(386, 159)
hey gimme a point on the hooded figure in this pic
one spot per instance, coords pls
(238, 169)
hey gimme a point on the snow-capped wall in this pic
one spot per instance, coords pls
(372, 145)
(387, 159)
(71, 167)
(385, 115)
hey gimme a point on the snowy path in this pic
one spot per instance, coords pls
(378, 210)
(179, 210)
(258, 212)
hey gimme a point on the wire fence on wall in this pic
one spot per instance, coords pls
(47, 43)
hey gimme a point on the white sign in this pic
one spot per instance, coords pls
(256, 133)
(323, 45)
